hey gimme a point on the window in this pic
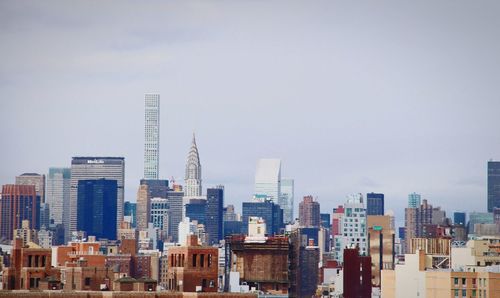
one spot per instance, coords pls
(464, 282)
(464, 293)
(474, 293)
(87, 281)
(209, 260)
(456, 291)
(203, 283)
(194, 260)
(202, 260)
(456, 282)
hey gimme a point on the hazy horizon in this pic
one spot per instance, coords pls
(382, 96)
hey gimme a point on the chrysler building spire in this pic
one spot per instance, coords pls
(193, 172)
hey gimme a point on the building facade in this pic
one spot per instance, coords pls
(493, 185)
(215, 213)
(193, 172)
(269, 211)
(33, 179)
(192, 268)
(18, 203)
(97, 208)
(151, 135)
(309, 213)
(91, 168)
(353, 231)
(268, 178)
(57, 196)
(414, 200)
(375, 203)
(287, 199)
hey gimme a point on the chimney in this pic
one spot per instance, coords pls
(192, 240)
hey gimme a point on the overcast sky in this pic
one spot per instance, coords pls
(383, 96)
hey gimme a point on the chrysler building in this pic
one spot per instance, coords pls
(193, 172)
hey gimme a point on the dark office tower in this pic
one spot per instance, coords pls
(196, 209)
(97, 207)
(130, 209)
(157, 188)
(44, 215)
(374, 203)
(459, 218)
(18, 202)
(304, 259)
(357, 274)
(270, 212)
(325, 220)
(493, 185)
(92, 168)
(174, 198)
(309, 213)
(215, 215)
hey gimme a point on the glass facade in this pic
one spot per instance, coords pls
(97, 208)
(215, 214)
(151, 135)
(270, 212)
(414, 200)
(375, 204)
(493, 185)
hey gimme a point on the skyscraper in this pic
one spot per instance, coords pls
(286, 199)
(175, 214)
(33, 179)
(309, 213)
(375, 203)
(19, 202)
(57, 196)
(97, 207)
(196, 209)
(268, 179)
(353, 231)
(493, 185)
(157, 188)
(193, 172)
(151, 135)
(269, 211)
(413, 200)
(92, 168)
(143, 207)
(130, 209)
(215, 214)
(459, 218)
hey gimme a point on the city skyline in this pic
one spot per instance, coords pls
(369, 120)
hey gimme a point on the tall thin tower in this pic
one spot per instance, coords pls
(193, 172)
(151, 135)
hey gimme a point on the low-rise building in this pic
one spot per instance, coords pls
(192, 267)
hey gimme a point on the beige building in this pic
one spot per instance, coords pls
(381, 239)
(472, 274)
(26, 233)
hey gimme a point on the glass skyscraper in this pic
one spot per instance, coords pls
(92, 168)
(459, 218)
(97, 208)
(268, 179)
(375, 204)
(413, 200)
(286, 199)
(215, 214)
(493, 185)
(151, 135)
(269, 211)
(57, 196)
